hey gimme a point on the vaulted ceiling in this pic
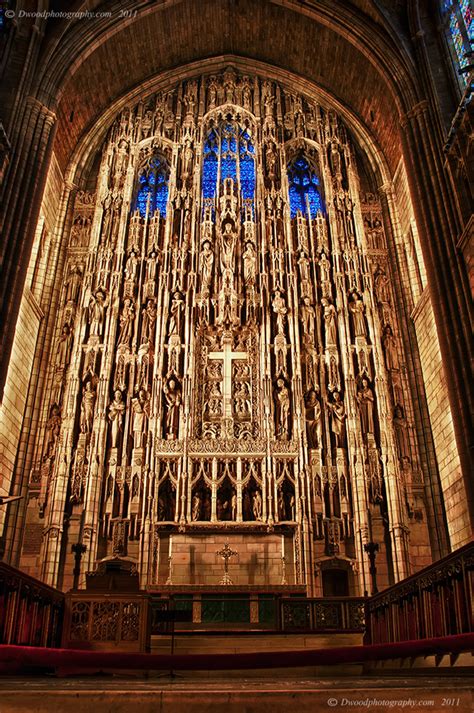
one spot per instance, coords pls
(354, 51)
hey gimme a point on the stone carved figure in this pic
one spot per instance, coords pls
(228, 242)
(271, 161)
(63, 352)
(131, 267)
(126, 323)
(116, 412)
(307, 317)
(401, 432)
(305, 274)
(257, 505)
(250, 264)
(207, 261)
(390, 349)
(176, 311)
(97, 305)
(87, 407)
(281, 349)
(149, 322)
(282, 408)
(140, 412)
(313, 419)
(311, 360)
(196, 507)
(172, 393)
(53, 427)
(382, 288)
(73, 284)
(330, 321)
(357, 309)
(213, 404)
(365, 398)
(242, 399)
(338, 416)
(279, 308)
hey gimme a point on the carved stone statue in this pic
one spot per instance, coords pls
(390, 349)
(381, 284)
(270, 161)
(313, 419)
(242, 399)
(176, 310)
(207, 261)
(187, 170)
(307, 317)
(87, 407)
(53, 427)
(97, 305)
(116, 411)
(282, 408)
(324, 268)
(330, 321)
(310, 359)
(338, 415)
(250, 264)
(305, 274)
(281, 349)
(63, 352)
(172, 392)
(196, 507)
(257, 505)
(73, 284)
(149, 322)
(228, 241)
(140, 409)
(357, 309)
(401, 432)
(126, 323)
(131, 267)
(279, 308)
(213, 404)
(365, 397)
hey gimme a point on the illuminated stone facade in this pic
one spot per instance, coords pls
(227, 354)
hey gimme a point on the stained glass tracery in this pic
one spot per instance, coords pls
(460, 23)
(228, 153)
(152, 192)
(305, 197)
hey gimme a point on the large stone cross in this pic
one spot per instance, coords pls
(227, 356)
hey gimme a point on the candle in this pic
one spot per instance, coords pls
(283, 547)
(171, 547)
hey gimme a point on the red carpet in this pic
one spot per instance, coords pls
(13, 659)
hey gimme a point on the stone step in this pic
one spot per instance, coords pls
(278, 693)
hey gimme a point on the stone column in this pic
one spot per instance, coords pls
(439, 227)
(24, 187)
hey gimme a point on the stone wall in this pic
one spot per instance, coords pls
(12, 409)
(442, 424)
(258, 560)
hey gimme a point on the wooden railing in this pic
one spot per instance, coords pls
(31, 613)
(437, 601)
(322, 614)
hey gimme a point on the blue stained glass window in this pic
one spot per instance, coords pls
(229, 153)
(460, 24)
(153, 188)
(304, 194)
(247, 176)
